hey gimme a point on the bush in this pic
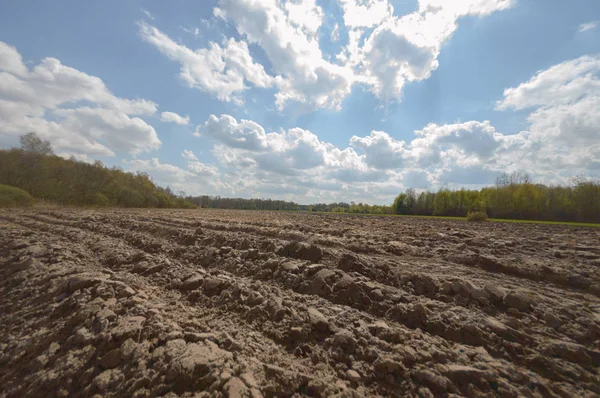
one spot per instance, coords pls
(477, 216)
(14, 197)
(100, 200)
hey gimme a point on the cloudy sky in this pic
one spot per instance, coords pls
(308, 100)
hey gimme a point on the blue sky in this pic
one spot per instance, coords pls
(264, 99)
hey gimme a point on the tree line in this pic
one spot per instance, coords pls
(514, 196)
(354, 208)
(35, 169)
(217, 202)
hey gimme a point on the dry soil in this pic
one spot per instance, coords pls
(248, 304)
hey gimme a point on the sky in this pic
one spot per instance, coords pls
(308, 100)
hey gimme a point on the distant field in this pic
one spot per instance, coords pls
(575, 224)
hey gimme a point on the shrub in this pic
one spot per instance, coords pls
(163, 200)
(14, 197)
(100, 200)
(477, 216)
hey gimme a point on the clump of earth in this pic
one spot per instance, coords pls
(103, 303)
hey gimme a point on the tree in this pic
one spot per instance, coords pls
(32, 143)
(442, 203)
(514, 178)
(73, 182)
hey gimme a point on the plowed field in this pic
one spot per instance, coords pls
(247, 304)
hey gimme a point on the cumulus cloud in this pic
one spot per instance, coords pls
(561, 140)
(365, 13)
(564, 123)
(560, 84)
(162, 173)
(189, 155)
(478, 139)
(384, 51)
(245, 134)
(371, 166)
(196, 166)
(405, 49)
(391, 60)
(305, 14)
(218, 70)
(245, 145)
(381, 150)
(172, 117)
(48, 99)
(303, 75)
(196, 179)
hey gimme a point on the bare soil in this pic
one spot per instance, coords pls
(248, 304)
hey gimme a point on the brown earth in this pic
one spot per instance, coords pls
(249, 304)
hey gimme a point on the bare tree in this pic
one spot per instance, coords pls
(514, 178)
(32, 143)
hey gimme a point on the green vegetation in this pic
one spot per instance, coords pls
(514, 197)
(217, 202)
(477, 216)
(14, 197)
(35, 169)
(351, 208)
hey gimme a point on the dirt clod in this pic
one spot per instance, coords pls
(262, 304)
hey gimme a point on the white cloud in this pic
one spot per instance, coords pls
(478, 139)
(172, 117)
(560, 141)
(194, 32)
(220, 71)
(434, 146)
(189, 155)
(416, 179)
(384, 51)
(303, 75)
(465, 7)
(147, 14)
(246, 145)
(297, 161)
(202, 169)
(72, 109)
(196, 166)
(405, 49)
(391, 60)
(113, 129)
(381, 150)
(335, 33)
(305, 14)
(244, 135)
(162, 173)
(564, 123)
(198, 179)
(365, 13)
(560, 84)
(11, 61)
(584, 27)
(51, 84)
